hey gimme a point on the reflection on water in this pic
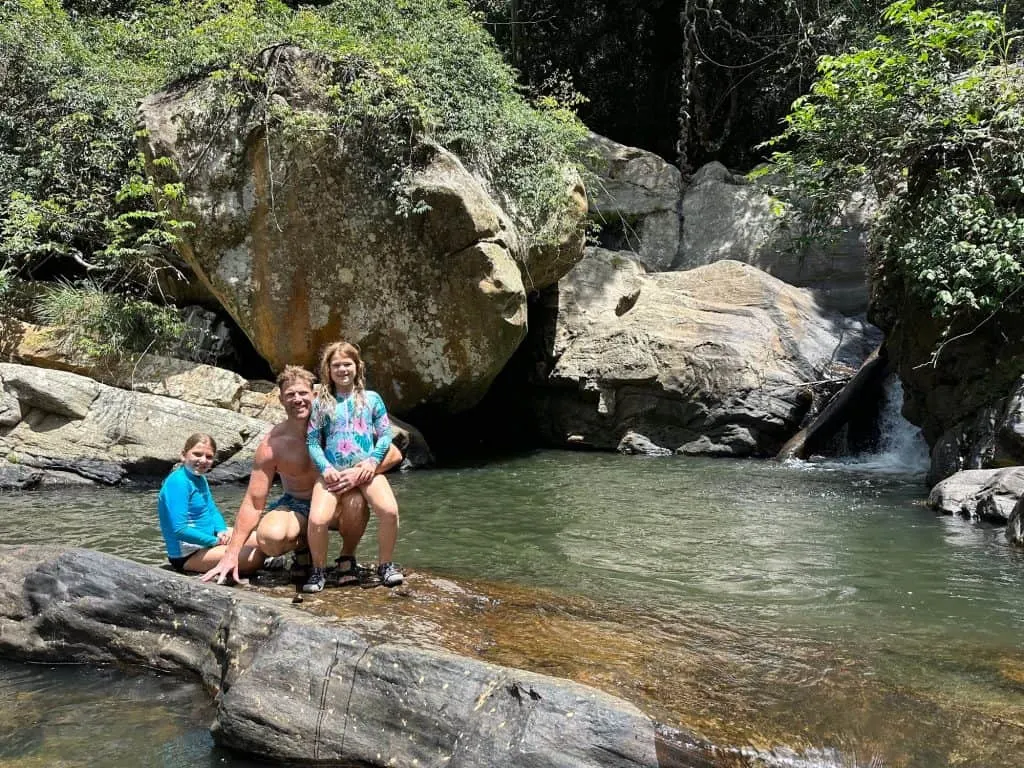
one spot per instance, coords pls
(759, 603)
(76, 717)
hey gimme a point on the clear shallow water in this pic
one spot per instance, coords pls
(73, 716)
(822, 602)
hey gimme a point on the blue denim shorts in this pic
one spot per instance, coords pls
(286, 500)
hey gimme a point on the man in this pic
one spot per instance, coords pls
(283, 452)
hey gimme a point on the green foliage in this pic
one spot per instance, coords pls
(106, 326)
(931, 117)
(728, 69)
(74, 192)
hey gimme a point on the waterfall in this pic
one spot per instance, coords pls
(901, 446)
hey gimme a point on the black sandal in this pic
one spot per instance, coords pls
(350, 574)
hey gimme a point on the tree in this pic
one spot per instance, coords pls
(931, 116)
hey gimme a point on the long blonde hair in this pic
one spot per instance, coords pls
(325, 389)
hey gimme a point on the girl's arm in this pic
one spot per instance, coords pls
(314, 437)
(176, 496)
(381, 428)
(215, 515)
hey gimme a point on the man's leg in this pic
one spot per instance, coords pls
(351, 519)
(353, 516)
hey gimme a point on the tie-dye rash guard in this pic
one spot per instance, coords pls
(358, 429)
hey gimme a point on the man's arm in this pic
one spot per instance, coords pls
(264, 468)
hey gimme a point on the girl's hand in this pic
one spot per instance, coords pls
(364, 472)
(224, 536)
(331, 477)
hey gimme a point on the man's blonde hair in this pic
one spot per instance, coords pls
(293, 373)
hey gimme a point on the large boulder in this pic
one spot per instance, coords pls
(636, 202)
(299, 237)
(725, 216)
(717, 360)
(65, 423)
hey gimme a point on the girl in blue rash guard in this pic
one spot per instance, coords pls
(193, 528)
(349, 427)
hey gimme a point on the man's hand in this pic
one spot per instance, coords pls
(225, 569)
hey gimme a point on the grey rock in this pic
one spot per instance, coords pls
(1015, 525)
(993, 437)
(636, 444)
(980, 494)
(72, 424)
(714, 361)
(298, 688)
(638, 199)
(16, 477)
(727, 217)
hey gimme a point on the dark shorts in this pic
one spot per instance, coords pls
(178, 563)
(286, 500)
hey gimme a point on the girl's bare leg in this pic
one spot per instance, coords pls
(382, 500)
(250, 559)
(322, 508)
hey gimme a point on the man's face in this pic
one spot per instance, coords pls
(297, 398)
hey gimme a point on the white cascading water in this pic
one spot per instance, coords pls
(901, 446)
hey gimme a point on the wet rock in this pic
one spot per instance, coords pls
(1015, 525)
(983, 494)
(15, 477)
(636, 444)
(286, 679)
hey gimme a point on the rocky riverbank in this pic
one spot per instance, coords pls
(294, 686)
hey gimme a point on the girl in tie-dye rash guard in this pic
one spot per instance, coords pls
(349, 427)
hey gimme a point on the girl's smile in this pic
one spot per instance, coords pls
(343, 373)
(198, 458)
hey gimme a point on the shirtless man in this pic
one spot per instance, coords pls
(283, 452)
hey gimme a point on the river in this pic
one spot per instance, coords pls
(821, 606)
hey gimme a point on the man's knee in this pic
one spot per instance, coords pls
(278, 534)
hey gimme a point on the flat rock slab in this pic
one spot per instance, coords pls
(295, 687)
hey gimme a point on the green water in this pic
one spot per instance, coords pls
(825, 603)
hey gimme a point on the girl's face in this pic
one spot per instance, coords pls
(343, 372)
(198, 458)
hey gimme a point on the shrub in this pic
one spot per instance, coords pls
(932, 117)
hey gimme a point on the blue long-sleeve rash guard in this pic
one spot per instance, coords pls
(358, 429)
(189, 518)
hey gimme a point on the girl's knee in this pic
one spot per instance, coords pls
(386, 512)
